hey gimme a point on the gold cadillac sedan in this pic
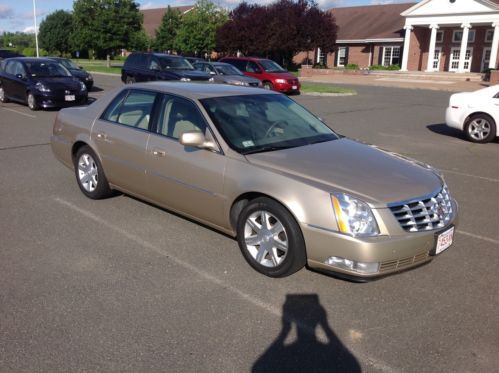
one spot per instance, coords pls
(256, 165)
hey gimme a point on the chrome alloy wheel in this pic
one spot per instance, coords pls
(2, 94)
(479, 129)
(88, 173)
(266, 239)
(31, 101)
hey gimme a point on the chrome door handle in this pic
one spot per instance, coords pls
(159, 153)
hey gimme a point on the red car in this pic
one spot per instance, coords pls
(272, 75)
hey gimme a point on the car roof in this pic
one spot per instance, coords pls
(32, 59)
(246, 58)
(159, 54)
(199, 91)
(221, 64)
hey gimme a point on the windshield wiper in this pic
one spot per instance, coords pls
(267, 149)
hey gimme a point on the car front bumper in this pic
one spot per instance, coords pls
(393, 253)
(51, 100)
(453, 118)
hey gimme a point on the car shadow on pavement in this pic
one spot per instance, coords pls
(304, 351)
(443, 129)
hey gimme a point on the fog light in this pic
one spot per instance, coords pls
(352, 265)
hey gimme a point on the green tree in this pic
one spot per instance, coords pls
(197, 31)
(105, 25)
(167, 32)
(55, 31)
(140, 41)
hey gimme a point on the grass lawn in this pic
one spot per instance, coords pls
(324, 88)
(99, 66)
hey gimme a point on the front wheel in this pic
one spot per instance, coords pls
(268, 86)
(480, 128)
(90, 175)
(32, 104)
(3, 98)
(270, 239)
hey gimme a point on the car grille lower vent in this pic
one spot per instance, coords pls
(425, 214)
(391, 265)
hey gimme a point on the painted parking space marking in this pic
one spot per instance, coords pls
(20, 112)
(377, 364)
(470, 175)
(480, 237)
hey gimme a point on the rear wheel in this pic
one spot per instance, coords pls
(480, 128)
(270, 239)
(90, 175)
(2, 95)
(32, 104)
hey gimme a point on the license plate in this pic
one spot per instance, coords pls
(294, 87)
(444, 240)
(69, 97)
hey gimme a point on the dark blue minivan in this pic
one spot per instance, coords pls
(40, 83)
(143, 67)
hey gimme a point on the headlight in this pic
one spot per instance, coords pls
(185, 79)
(211, 80)
(280, 81)
(83, 87)
(237, 82)
(41, 87)
(354, 216)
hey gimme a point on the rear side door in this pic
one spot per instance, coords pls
(121, 135)
(188, 180)
(19, 81)
(8, 79)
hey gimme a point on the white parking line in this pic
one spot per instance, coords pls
(20, 112)
(470, 175)
(491, 240)
(215, 280)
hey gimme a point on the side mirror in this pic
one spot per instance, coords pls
(197, 140)
(213, 73)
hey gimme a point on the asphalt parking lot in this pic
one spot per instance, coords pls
(120, 285)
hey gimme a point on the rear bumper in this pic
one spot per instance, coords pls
(286, 87)
(394, 253)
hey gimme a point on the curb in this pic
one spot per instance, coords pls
(328, 94)
(101, 73)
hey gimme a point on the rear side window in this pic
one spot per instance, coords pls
(134, 110)
(11, 68)
(240, 64)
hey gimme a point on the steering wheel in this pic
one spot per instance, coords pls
(281, 123)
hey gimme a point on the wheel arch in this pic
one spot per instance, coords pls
(471, 115)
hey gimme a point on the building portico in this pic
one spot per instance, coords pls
(451, 35)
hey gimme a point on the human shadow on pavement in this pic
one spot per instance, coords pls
(305, 352)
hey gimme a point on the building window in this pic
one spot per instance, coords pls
(457, 36)
(391, 56)
(440, 36)
(342, 56)
(321, 57)
(489, 35)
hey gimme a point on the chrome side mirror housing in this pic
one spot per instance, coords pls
(197, 139)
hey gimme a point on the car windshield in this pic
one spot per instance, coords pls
(175, 63)
(227, 70)
(43, 69)
(271, 67)
(68, 64)
(265, 122)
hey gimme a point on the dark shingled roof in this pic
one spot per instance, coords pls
(153, 17)
(370, 22)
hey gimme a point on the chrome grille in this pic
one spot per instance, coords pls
(425, 214)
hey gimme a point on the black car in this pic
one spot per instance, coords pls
(142, 67)
(40, 82)
(77, 71)
(5, 53)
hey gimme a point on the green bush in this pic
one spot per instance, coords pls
(31, 52)
(381, 67)
(351, 66)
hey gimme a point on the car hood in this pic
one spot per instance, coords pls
(56, 83)
(79, 73)
(344, 165)
(191, 74)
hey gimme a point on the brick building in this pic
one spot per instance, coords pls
(460, 35)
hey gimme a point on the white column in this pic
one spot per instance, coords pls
(464, 44)
(407, 42)
(318, 57)
(431, 51)
(493, 50)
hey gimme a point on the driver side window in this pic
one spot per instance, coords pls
(154, 65)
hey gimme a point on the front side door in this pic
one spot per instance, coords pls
(121, 136)
(188, 180)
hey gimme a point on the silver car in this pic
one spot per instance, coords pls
(256, 165)
(227, 74)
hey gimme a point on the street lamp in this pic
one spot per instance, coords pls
(36, 29)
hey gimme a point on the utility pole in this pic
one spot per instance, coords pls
(36, 28)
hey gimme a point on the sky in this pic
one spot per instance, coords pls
(17, 15)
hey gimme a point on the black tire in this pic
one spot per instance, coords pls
(129, 80)
(472, 131)
(100, 188)
(295, 257)
(31, 101)
(3, 98)
(268, 85)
